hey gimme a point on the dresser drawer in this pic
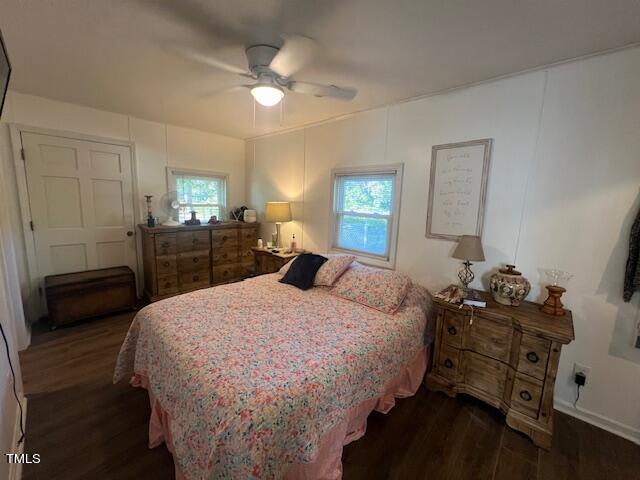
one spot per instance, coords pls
(224, 238)
(246, 269)
(166, 265)
(224, 273)
(489, 338)
(167, 284)
(193, 261)
(249, 237)
(224, 256)
(485, 374)
(526, 394)
(452, 328)
(193, 280)
(533, 356)
(449, 362)
(245, 254)
(192, 241)
(165, 243)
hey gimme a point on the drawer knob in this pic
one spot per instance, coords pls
(225, 273)
(224, 238)
(165, 244)
(167, 264)
(533, 357)
(196, 259)
(167, 285)
(195, 240)
(525, 395)
(452, 330)
(448, 363)
(224, 255)
(196, 278)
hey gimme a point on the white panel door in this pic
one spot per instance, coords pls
(81, 202)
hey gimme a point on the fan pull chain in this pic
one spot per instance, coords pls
(254, 113)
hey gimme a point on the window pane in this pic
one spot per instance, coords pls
(198, 190)
(202, 213)
(365, 234)
(202, 194)
(368, 194)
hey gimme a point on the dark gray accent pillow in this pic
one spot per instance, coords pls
(303, 270)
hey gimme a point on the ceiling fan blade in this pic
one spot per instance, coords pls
(209, 60)
(296, 53)
(341, 93)
(218, 91)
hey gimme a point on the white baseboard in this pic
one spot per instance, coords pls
(598, 420)
(15, 469)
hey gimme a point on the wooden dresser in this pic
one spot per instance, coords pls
(185, 258)
(505, 356)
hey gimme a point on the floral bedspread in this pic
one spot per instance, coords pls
(253, 373)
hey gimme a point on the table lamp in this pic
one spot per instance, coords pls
(277, 212)
(469, 248)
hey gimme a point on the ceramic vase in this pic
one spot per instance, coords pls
(509, 287)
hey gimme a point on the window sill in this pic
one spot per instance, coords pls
(369, 260)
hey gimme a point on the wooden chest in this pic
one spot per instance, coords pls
(76, 296)
(185, 258)
(506, 356)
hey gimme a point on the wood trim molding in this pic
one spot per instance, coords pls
(15, 469)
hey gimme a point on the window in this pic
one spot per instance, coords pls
(202, 192)
(365, 211)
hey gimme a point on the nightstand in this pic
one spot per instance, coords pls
(505, 356)
(266, 261)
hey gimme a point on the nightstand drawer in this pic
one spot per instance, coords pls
(449, 362)
(534, 352)
(452, 328)
(485, 374)
(526, 394)
(489, 338)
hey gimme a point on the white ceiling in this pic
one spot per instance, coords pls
(116, 54)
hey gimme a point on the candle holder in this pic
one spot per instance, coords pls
(151, 221)
(553, 305)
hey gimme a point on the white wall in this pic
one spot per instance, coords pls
(157, 146)
(12, 320)
(563, 190)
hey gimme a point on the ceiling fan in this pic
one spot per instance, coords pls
(272, 69)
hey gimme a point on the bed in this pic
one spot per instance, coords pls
(258, 379)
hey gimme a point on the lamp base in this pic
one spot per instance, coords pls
(466, 276)
(278, 238)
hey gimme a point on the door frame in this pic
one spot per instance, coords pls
(34, 309)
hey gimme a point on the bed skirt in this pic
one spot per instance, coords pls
(328, 462)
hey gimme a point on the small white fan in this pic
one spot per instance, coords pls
(170, 205)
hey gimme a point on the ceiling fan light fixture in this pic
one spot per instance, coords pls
(267, 95)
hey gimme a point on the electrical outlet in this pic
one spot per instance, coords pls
(579, 368)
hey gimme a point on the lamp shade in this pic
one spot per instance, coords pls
(276, 212)
(469, 248)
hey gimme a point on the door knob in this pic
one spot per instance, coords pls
(129, 233)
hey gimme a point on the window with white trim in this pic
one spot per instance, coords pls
(202, 192)
(365, 211)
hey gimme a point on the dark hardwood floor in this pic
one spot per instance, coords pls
(85, 427)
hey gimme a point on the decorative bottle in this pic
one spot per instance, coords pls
(293, 244)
